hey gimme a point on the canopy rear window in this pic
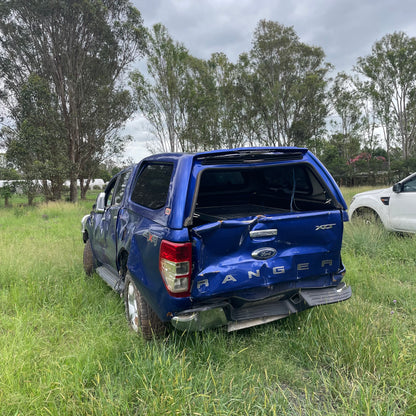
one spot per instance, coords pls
(226, 193)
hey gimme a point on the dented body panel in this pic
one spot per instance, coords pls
(265, 226)
(226, 252)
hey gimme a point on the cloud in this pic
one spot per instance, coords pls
(344, 29)
(138, 129)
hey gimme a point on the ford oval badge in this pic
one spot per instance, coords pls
(263, 253)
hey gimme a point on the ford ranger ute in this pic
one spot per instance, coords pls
(393, 207)
(232, 238)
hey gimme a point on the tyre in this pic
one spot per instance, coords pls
(140, 316)
(88, 259)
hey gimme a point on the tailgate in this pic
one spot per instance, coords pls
(247, 253)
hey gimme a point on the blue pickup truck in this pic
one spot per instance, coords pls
(232, 238)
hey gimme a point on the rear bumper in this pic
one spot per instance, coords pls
(259, 312)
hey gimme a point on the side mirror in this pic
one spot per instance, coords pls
(397, 188)
(100, 205)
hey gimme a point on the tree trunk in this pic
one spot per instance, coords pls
(73, 190)
(30, 198)
(45, 190)
(55, 190)
(72, 156)
(84, 187)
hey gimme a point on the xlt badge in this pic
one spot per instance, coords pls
(324, 227)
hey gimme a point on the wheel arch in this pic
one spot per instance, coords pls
(84, 223)
(140, 316)
(363, 209)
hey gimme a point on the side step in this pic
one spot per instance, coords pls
(111, 278)
(315, 297)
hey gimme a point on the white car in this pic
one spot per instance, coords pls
(395, 207)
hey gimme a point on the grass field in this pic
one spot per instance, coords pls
(65, 347)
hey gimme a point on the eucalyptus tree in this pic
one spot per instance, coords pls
(347, 112)
(81, 48)
(101, 140)
(202, 106)
(190, 103)
(161, 99)
(37, 145)
(213, 104)
(390, 77)
(290, 86)
(231, 101)
(247, 93)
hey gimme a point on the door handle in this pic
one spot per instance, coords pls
(269, 232)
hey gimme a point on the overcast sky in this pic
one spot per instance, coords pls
(344, 29)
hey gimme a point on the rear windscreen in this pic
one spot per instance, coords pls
(260, 191)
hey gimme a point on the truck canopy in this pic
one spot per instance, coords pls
(270, 222)
(284, 187)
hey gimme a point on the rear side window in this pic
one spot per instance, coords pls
(152, 186)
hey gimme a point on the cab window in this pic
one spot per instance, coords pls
(152, 185)
(120, 187)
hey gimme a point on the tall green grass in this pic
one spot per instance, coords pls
(65, 348)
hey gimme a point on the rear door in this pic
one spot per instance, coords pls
(105, 236)
(266, 250)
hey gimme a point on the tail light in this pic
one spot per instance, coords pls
(175, 265)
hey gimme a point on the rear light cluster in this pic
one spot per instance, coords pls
(175, 265)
